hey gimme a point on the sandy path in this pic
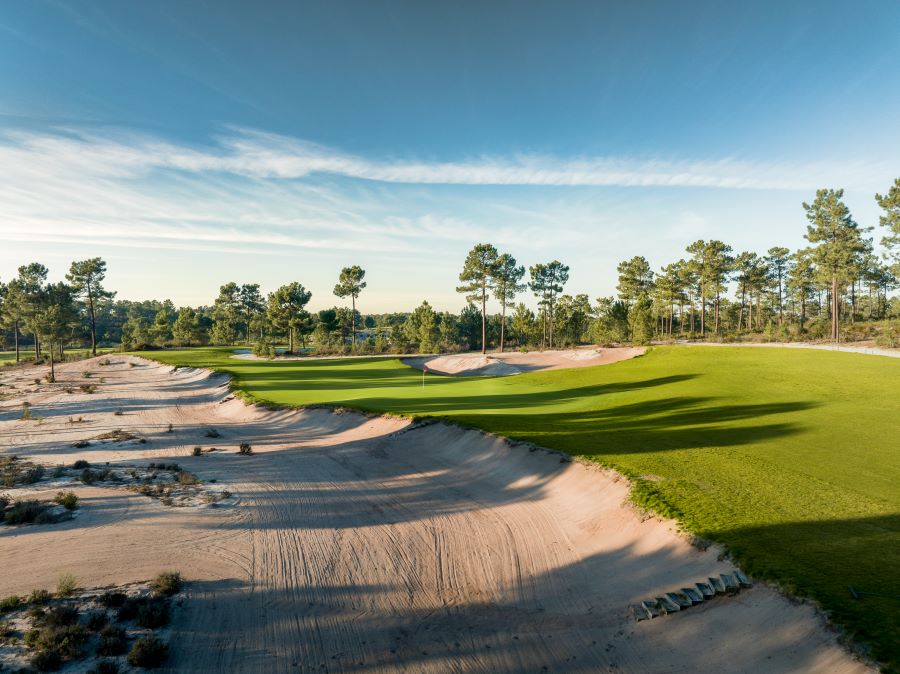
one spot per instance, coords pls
(515, 362)
(362, 544)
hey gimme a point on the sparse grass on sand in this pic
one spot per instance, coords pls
(787, 457)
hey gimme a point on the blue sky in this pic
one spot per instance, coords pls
(193, 143)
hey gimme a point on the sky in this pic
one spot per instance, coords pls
(194, 143)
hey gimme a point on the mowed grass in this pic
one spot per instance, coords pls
(790, 458)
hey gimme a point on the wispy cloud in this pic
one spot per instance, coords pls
(259, 192)
(256, 154)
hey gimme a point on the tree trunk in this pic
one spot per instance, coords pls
(353, 322)
(502, 324)
(703, 314)
(717, 313)
(16, 332)
(550, 318)
(291, 339)
(93, 322)
(52, 368)
(483, 318)
(835, 317)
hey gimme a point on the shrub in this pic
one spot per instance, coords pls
(39, 597)
(33, 474)
(167, 583)
(48, 660)
(58, 616)
(88, 388)
(28, 512)
(67, 499)
(96, 620)
(105, 667)
(170, 429)
(212, 433)
(6, 630)
(198, 451)
(104, 362)
(26, 410)
(9, 603)
(113, 641)
(148, 652)
(118, 413)
(81, 463)
(153, 613)
(87, 476)
(86, 374)
(112, 599)
(245, 448)
(66, 585)
(186, 478)
(81, 444)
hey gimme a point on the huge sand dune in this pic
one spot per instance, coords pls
(366, 545)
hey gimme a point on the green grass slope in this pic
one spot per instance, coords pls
(790, 458)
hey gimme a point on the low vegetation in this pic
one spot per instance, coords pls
(91, 630)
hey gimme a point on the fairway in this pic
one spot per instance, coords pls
(787, 457)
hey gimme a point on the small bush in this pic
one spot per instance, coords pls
(33, 475)
(167, 583)
(86, 374)
(6, 630)
(198, 451)
(128, 610)
(88, 476)
(58, 616)
(81, 463)
(186, 478)
(9, 603)
(66, 585)
(153, 613)
(28, 512)
(48, 660)
(212, 433)
(39, 597)
(113, 641)
(245, 448)
(112, 599)
(67, 499)
(26, 411)
(148, 652)
(118, 413)
(105, 667)
(104, 362)
(96, 620)
(88, 388)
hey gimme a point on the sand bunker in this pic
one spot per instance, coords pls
(505, 364)
(367, 544)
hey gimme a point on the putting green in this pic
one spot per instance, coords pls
(790, 458)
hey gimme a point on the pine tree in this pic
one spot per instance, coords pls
(839, 244)
(477, 276)
(350, 284)
(506, 286)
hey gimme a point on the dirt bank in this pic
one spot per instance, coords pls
(364, 544)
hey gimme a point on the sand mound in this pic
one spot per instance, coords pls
(509, 363)
(368, 544)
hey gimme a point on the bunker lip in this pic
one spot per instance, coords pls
(513, 362)
(399, 546)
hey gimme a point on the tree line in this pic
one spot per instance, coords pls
(711, 292)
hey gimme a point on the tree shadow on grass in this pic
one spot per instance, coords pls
(821, 559)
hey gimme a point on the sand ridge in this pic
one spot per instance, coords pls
(365, 544)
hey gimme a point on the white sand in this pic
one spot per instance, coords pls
(515, 362)
(362, 544)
